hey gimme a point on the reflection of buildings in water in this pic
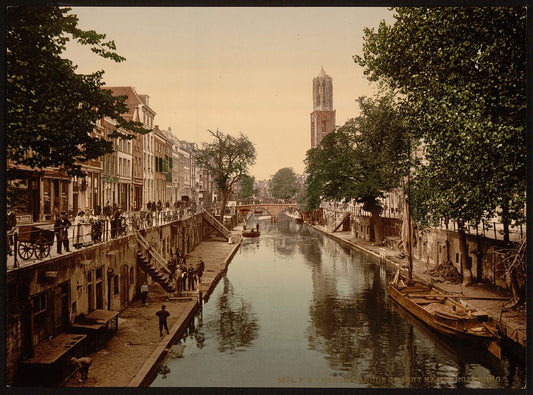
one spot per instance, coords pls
(237, 325)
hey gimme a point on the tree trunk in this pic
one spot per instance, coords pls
(377, 225)
(225, 195)
(479, 258)
(463, 253)
(505, 222)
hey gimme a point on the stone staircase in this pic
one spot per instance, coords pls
(154, 264)
(345, 216)
(215, 223)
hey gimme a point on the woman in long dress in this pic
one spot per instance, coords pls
(82, 230)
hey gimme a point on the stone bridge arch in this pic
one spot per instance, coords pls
(273, 209)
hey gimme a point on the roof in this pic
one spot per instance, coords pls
(133, 101)
(323, 74)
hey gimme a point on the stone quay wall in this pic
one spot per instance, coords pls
(434, 246)
(45, 298)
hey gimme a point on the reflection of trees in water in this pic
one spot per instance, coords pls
(237, 326)
(312, 252)
(296, 235)
(353, 331)
(365, 338)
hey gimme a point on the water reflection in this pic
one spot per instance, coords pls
(237, 326)
(297, 309)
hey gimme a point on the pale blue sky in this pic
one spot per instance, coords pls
(246, 70)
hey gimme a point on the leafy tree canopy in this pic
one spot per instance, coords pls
(462, 71)
(284, 184)
(362, 159)
(52, 110)
(226, 158)
(247, 186)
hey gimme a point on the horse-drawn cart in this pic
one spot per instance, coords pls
(33, 240)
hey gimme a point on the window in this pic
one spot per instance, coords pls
(131, 275)
(115, 285)
(39, 310)
(99, 273)
(39, 303)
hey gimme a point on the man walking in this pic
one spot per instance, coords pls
(163, 314)
(144, 293)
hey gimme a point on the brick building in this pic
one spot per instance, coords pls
(323, 115)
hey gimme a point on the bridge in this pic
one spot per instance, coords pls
(272, 209)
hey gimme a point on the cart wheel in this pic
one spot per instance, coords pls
(42, 249)
(25, 250)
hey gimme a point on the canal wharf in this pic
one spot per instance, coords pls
(133, 356)
(512, 323)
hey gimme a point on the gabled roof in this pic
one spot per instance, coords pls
(133, 101)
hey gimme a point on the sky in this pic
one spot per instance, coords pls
(238, 70)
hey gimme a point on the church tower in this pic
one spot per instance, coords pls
(323, 115)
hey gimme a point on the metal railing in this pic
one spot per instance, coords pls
(158, 260)
(93, 230)
(217, 225)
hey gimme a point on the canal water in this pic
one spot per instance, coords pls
(296, 309)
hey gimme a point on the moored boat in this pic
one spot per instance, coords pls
(251, 233)
(446, 314)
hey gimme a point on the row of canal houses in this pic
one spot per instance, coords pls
(153, 167)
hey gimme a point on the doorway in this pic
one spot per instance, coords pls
(61, 307)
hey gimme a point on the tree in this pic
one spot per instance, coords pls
(462, 71)
(247, 186)
(47, 102)
(361, 160)
(226, 158)
(284, 184)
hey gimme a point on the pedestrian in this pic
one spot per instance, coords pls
(61, 226)
(179, 282)
(82, 364)
(191, 276)
(116, 223)
(144, 293)
(11, 226)
(183, 269)
(107, 209)
(172, 265)
(257, 227)
(163, 314)
(200, 265)
(148, 218)
(80, 231)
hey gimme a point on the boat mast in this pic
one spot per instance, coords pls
(409, 225)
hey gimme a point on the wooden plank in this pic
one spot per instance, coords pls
(461, 296)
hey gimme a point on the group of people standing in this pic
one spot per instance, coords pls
(187, 277)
